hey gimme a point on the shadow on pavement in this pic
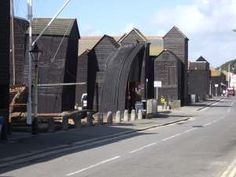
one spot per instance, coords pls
(65, 143)
(168, 115)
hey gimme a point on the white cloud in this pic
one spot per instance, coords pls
(207, 23)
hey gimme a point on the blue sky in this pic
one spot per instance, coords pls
(207, 23)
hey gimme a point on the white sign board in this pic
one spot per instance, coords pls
(157, 84)
(216, 85)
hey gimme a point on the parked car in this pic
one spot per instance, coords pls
(84, 101)
(230, 92)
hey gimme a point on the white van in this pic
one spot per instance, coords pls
(84, 101)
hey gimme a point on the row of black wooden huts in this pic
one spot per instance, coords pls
(115, 72)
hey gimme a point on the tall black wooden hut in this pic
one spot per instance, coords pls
(98, 59)
(176, 42)
(199, 77)
(4, 60)
(168, 69)
(135, 36)
(57, 65)
(20, 27)
(123, 72)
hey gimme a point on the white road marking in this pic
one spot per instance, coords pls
(228, 110)
(208, 124)
(230, 171)
(189, 130)
(171, 137)
(231, 105)
(141, 148)
(92, 166)
(209, 106)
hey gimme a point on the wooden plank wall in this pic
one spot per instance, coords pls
(20, 27)
(4, 60)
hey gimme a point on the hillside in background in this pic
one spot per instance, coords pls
(232, 66)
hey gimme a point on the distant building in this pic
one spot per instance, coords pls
(217, 82)
(168, 69)
(20, 28)
(57, 64)
(176, 42)
(199, 77)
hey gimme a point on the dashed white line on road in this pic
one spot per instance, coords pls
(228, 110)
(231, 105)
(189, 130)
(209, 123)
(209, 106)
(143, 147)
(230, 171)
(171, 137)
(92, 166)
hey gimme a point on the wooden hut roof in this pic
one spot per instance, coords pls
(176, 29)
(141, 37)
(111, 39)
(59, 27)
(171, 53)
(202, 59)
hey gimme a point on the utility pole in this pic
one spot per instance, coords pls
(29, 103)
(229, 75)
(13, 43)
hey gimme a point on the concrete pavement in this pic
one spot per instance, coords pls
(24, 147)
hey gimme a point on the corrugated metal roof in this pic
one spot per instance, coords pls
(88, 42)
(59, 27)
(215, 73)
(156, 45)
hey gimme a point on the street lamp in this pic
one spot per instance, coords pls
(35, 53)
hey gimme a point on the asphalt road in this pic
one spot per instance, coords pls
(204, 146)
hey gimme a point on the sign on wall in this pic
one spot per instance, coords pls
(157, 84)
